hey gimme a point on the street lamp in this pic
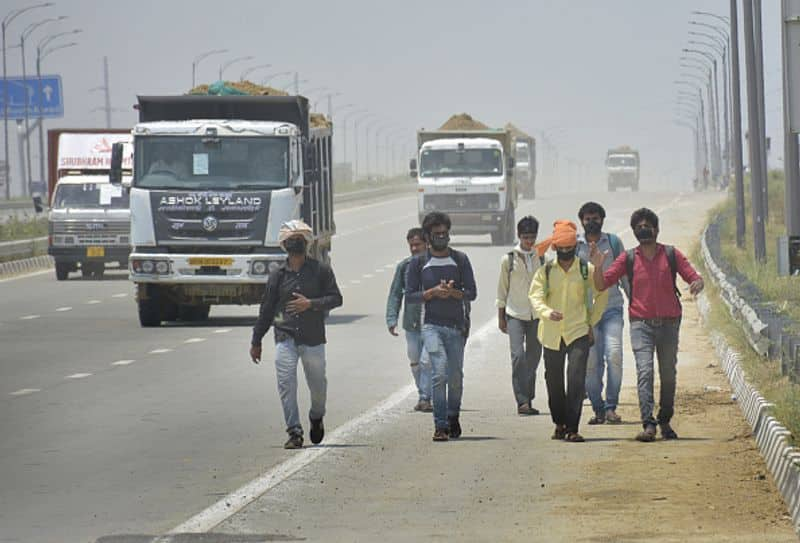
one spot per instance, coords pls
(270, 77)
(722, 18)
(357, 120)
(345, 118)
(225, 65)
(4, 25)
(713, 87)
(329, 96)
(202, 56)
(285, 88)
(248, 71)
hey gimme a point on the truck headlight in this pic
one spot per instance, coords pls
(259, 267)
(148, 266)
(162, 267)
(273, 266)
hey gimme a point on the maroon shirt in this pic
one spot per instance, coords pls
(653, 295)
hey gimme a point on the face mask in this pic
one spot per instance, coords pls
(592, 227)
(565, 254)
(644, 234)
(439, 242)
(295, 246)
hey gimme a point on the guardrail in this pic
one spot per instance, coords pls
(24, 248)
(14, 204)
(769, 333)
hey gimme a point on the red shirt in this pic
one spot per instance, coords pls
(653, 295)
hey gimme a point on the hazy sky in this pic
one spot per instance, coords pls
(593, 73)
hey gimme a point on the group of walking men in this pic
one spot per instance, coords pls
(568, 308)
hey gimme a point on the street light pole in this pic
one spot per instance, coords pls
(736, 109)
(225, 65)
(200, 57)
(791, 153)
(762, 123)
(713, 92)
(248, 71)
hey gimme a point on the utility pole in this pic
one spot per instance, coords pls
(738, 166)
(107, 92)
(756, 175)
(762, 127)
(790, 11)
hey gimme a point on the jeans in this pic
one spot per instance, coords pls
(660, 338)
(445, 347)
(605, 353)
(525, 354)
(565, 406)
(313, 358)
(420, 364)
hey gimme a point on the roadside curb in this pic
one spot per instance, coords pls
(25, 265)
(782, 459)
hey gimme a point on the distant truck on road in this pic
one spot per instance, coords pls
(622, 165)
(525, 161)
(468, 174)
(89, 220)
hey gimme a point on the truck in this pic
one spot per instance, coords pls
(622, 165)
(89, 220)
(214, 178)
(468, 173)
(525, 161)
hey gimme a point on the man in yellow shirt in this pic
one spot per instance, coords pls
(563, 297)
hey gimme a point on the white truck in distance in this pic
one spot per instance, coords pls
(214, 177)
(468, 174)
(622, 165)
(89, 220)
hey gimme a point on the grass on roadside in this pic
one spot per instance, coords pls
(15, 229)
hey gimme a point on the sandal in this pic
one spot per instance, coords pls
(574, 437)
(560, 432)
(667, 432)
(597, 419)
(648, 435)
(612, 417)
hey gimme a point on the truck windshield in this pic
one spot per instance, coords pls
(218, 162)
(455, 162)
(90, 196)
(522, 153)
(621, 160)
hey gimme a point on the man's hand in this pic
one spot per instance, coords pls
(502, 323)
(393, 330)
(255, 353)
(556, 316)
(439, 291)
(596, 256)
(299, 304)
(697, 287)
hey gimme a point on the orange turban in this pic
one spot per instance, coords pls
(565, 234)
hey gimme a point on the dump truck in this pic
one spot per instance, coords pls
(89, 220)
(466, 170)
(525, 161)
(214, 178)
(622, 165)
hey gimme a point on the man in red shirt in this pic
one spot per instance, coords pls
(654, 311)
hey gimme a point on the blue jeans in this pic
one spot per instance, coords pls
(526, 351)
(445, 347)
(605, 356)
(287, 354)
(650, 338)
(420, 364)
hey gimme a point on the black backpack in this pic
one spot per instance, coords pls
(460, 259)
(630, 256)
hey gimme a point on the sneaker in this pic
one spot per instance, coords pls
(440, 435)
(295, 442)
(455, 427)
(647, 435)
(667, 432)
(423, 406)
(612, 417)
(317, 431)
(560, 432)
(597, 419)
(526, 409)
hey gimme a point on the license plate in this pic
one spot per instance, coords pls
(95, 251)
(203, 261)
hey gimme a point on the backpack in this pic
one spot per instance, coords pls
(673, 267)
(587, 288)
(511, 266)
(459, 258)
(616, 245)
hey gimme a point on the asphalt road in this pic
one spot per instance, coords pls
(108, 428)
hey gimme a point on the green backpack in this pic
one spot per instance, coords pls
(587, 287)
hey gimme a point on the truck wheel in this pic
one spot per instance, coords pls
(150, 310)
(193, 313)
(170, 311)
(98, 271)
(62, 271)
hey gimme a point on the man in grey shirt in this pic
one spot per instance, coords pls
(605, 355)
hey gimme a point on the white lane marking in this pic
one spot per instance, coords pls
(160, 351)
(93, 302)
(195, 340)
(355, 281)
(123, 362)
(25, 391)
(372, 226)
(367, 276)
(65, 308)
(237, 500)
(222, 331)
(119, 295)
(29, 317)
(25, 276)
(78, 376)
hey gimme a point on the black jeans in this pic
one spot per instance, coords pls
(566, 405)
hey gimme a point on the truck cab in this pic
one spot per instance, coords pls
(622, 165)
(469, 177)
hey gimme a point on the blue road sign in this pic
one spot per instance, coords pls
(44, 93)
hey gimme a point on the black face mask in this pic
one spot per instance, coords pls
(645, 234)
(593, 227)
(295, 246)
(439, 242)
(565, 255)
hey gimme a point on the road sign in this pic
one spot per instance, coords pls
(44, 93)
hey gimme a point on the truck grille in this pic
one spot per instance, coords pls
(462, 202)
(93, 233)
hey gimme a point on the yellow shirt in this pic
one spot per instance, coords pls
(566, 294)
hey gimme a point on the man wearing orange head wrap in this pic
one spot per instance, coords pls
(568, 306)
